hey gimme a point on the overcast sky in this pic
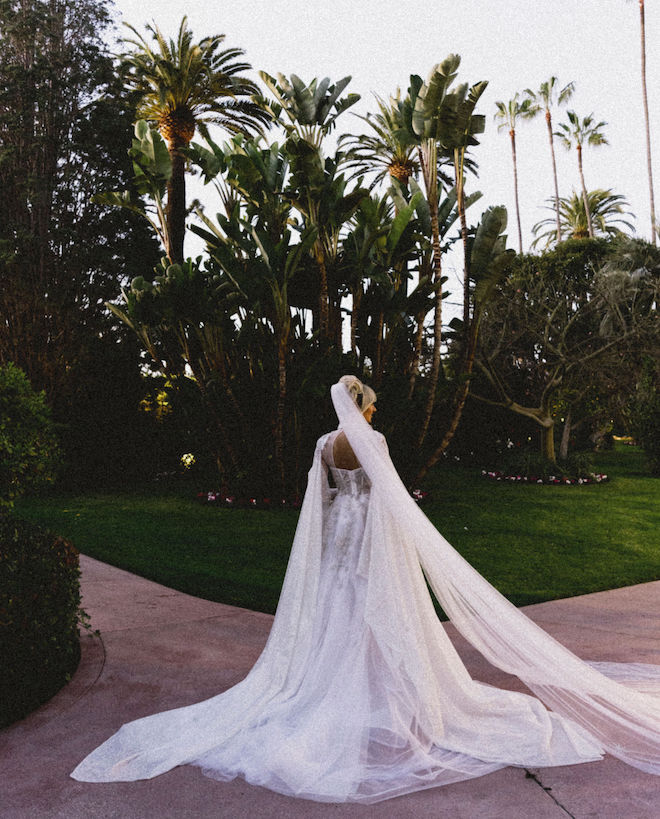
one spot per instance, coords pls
(514, 44)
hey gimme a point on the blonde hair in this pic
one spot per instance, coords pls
(362, 395)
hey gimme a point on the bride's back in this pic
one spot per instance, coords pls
(342, 453)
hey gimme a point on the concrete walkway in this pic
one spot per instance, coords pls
(161, 649)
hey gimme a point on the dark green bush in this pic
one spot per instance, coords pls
(645, 415)
(39, 603)
(28, 447)
(533, 464)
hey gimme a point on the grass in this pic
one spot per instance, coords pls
(534, 543)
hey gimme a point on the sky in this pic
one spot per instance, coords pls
(514, 44)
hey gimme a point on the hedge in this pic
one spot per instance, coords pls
(39, 606)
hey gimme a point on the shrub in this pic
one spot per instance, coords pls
(28, 447)
(526, 463)
(645, 416)
(39, 604)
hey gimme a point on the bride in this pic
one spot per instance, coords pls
(359, 695)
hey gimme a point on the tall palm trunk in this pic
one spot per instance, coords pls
(548, 120)
(585, 198)
(355, 314)
(324, 295)
(459, 182)
(417, 354)
(646, 118)
(459, 402)
(512, 134)
(282, 349)
(175, 210)
(378, 353)
(429, 162)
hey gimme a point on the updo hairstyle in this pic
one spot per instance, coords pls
(362, 395)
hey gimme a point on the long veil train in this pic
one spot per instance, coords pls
(359, 695)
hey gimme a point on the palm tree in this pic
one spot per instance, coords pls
(581, 132)
(308, 113)
(607, 216)
(182, 86)
(429, 116)
(467, 125)
(645, 102)
(508, 114)
(548, 95)
(389, 151)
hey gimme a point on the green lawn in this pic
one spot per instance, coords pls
(533, 543)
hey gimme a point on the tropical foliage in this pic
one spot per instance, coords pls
(508, 115)
(548, 95)
(182, 86)
(608, 217)
(320, 256)
(578, 133)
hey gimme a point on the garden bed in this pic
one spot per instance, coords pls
(548, 480)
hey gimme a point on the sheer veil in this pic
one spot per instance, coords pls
(620, 708)
(401, 713)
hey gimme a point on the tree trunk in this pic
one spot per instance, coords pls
(512, 134)
(378, 353)
(459, 404)
(460, 205)
(175, 210)
(437, 328)
(548, 440)
(281, 403)
(565, 436)
(585, 198)
(417, 355)
(646, 118)
(548, 119)
(355, 309)
(324, 309)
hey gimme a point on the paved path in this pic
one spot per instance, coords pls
(160, 649)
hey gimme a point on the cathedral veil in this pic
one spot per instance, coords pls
(359, 695)
(620, 707)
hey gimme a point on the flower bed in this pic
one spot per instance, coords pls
(557, 480)
(227, 501)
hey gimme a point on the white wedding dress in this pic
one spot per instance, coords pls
(359, 695)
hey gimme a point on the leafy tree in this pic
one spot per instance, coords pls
(645, 420)
(63, 129)
(28, 446)
(580, 132)
(549, 95)
(508, 115)
(607, 217)
(182, 86)
(556, 318)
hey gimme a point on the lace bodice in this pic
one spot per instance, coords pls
(347, 481)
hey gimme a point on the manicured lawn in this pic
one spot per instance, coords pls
(534, 543)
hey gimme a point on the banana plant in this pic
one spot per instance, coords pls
(375, 252)
(261, 248)
(320, 194)
(152, 169)
(182, 317)
(308, 111)
(490, 263)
